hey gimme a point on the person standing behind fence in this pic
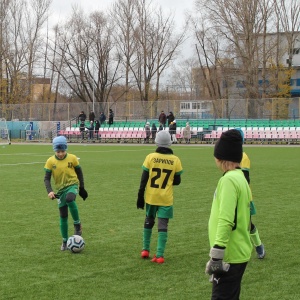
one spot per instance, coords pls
(172, 131)
(92, 116)
(170, 118)
(111, 117)
(148, 132)
(91, 131)
(153, 132)
(82, 130)
(187, 133)
(162, 119)
(97, 127)
(102, 118)
(82, 117)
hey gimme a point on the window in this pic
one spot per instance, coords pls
(240, 84)
(260, 82)
(295, 51)
(204, 105)
(297, 82)
(185, 105)
(196, 105)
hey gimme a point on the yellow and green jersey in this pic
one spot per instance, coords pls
(162, 168)
(229, 222)
(63, 170)
(245, 163)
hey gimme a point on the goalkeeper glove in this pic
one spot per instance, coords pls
(83, 193)
(216, 265)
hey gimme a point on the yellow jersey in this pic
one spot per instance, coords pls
(63, 170)
(245, 163)
(162, 168)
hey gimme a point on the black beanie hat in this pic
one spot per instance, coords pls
(230, 146)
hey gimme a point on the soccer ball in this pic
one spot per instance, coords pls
(75, 243)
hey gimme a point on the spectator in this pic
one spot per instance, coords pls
(160, 128)
(92, 116)
(148, 132)
(91, 131)
(102, 118)
(97, 127)
(187, 133)
(162, 119)
(82, 117)
(170, 118)
(172, 131)
(111, 117)
(153, 132)
(82, 130)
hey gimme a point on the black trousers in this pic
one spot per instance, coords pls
(227, 286)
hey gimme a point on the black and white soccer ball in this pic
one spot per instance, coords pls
(75, 243)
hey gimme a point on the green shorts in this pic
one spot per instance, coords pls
(164, 212)
(252, 208)
(61, 201)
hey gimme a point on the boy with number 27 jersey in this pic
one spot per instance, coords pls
(161, 170)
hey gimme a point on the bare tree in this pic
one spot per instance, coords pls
(36, 13)
(245, 26)
(183, 77)
(124, 15)
(89, 64)
(21, 41)
(155, 47)
(4, 7)
(288, 14)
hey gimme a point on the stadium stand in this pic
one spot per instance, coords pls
(203, 130)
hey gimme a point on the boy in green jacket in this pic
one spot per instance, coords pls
(229, 222)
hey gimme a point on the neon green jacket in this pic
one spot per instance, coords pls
(229, 222)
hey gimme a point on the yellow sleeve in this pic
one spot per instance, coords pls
(245, 163)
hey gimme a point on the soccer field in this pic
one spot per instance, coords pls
(110, 267)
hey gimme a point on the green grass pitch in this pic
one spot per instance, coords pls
(110, 267)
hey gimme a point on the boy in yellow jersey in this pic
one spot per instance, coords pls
(68, 177)
(161, 170)
(259, 246)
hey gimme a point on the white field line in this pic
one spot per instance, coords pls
(79, 151)
(18, 164)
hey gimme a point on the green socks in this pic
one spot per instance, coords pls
(63, 224)
(74, 211)
(255, 237)
(161, 243)
(147, 238)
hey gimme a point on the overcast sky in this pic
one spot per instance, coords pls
(62, 8)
